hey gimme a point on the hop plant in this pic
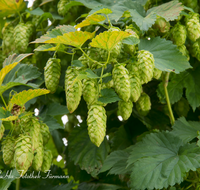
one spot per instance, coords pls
(136, 88)
(96, 122)
(143, 105)
(145, 66)
(47, 160)
(125, 109)
(38, 158)
(90, 90)
(184, 51)
(2, 129)
(179, 34)
(44, 130)
(22, 34)
(193, 26)
(52, 72)
(109, 84)
(161, 25)
(182, 107)
(195, 49)
(157, 73)
(191, 3)
(8, 150)
(23, 153)
(61, 7)
(73, 89)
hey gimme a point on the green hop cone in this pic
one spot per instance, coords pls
(21, 37)
(125, 109)
(2, 129)
(38, 158)
(179, 34)
(157, 73)
(47, 160)
(84, 60)
(161, 25)
(96, 122)
(136, 88)
(73, 89)
(182, 107)
(109, 84)
(32, 128)
(193, 26)
(121, 82)
(143, 105)
(184, 51)
(195, 49)
(44, 130)
(61, 7)
(90, 90)
(52, 72)
(23, 153)
(8, 150)
(145, 66)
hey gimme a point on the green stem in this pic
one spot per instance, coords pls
(17, 184)
(110, 24)
(165, 84)
(3, 100)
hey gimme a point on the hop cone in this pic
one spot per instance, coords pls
(61, 7)
(182, 107)
(96, 122)
(52, 73)
(73, 89)
(8, 44)
(84, 60)
(193, 26)
(161, 25)
(90, 91)
(179, 34)
(125, 109)
(8, 150)
(23, 154)
(47, 159)
(157, 73)
(44, 130)
(109, 84)
(143, 105)
(38, 158)
(136, 88)
(121, 82)
(32, 127)
(195, 49)
(21, 37)
(133, 69)
(2, 129)
(184, 51)
(145, 66)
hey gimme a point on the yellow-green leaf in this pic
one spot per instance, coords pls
(105, 11)
(10, 118)
(90, 20)
(76, 39)
(22, 97)
(108, 39)
(8, 7)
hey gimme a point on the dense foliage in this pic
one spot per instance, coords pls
(126, 75)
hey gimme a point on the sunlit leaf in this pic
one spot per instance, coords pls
(105, 11)
(22, 97)
(50, 47)
(11, 7)
(10, 118)
(91, 20)
(108, 39)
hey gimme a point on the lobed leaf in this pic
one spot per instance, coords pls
(108, 95)
(131, 40)
(108, 40)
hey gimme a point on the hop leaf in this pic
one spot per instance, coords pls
(143, 105)
(121, 82)
(182, 107)
(125, 109)
(8, 150)
(52, 73)
(47, 160)
(96, 122)
(179, 34)
(23, 154)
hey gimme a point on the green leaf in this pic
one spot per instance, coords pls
(51, 122)
(68, 186)
(58, 31)
(22, 97)
(91, 20)
(84, 153)
(170, 11)
(108, 39)
(2, 23)
(103, 11)
(117, 162)
(98, 186)
(77, 63)
(108, 95)
(38, 11)
(186, 130)
(166, 55)
(162, 160)
(50, 47)
(54, 109)
(91, 74)
(4, 113)
(131, 40)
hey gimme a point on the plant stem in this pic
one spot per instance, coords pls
(17, 184)
(165, 84)
(3, 100)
